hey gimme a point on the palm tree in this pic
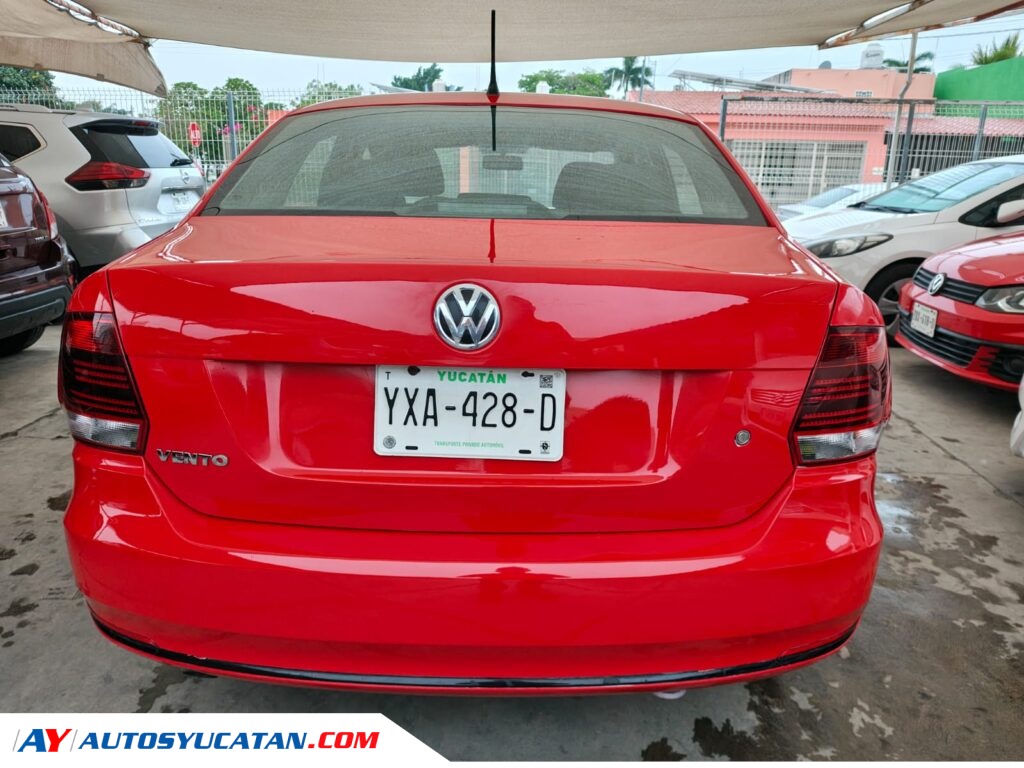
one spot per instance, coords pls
(901, 66)
(1008, 49)
(631, 75)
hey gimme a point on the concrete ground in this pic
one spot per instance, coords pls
(936, 670)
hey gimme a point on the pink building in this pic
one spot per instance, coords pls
(859, 83)
(796, 146)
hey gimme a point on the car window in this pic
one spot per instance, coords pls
(946, 188)
(445, 162)
(985, 214)
(139, 145)
(829, 197)
(17, 141)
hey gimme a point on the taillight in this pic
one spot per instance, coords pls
(847, 401)
(96, 175)
(51, 218)
(95, 385)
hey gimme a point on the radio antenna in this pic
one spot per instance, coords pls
(492, 89)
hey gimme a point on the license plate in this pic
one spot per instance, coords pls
(183, 201)
(499, 413)
(923, 318)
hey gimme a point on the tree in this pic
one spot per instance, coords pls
(93, 105)
(1008, 49)
(630, 76)
(187, 96)
(247, 103)
(901, 65)
(187, 103)
(422, 80)
(317, 91)
(33, 86)
(585, 83)
(529, 83)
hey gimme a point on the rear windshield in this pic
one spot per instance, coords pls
(945, 188)
(140, 146)
(454, 162)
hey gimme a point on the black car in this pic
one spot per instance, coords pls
(35, 267)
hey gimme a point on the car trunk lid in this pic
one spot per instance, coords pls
(674, 338)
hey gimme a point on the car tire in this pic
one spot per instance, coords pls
(884, 290)
(20, 341)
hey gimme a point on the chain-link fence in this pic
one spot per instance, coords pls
(798, 147)
(792, 147)
(212, 127)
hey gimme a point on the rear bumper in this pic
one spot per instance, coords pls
(96, 247)
(475, 613)
(31, 310)
(303, 676)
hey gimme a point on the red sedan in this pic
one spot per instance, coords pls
(964, 311)
(448, 393)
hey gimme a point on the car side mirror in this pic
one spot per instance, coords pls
(1010, 212)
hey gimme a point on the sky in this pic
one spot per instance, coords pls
(210, 66)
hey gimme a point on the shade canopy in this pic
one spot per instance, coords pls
(528, 30)
(44, 35)
(40, 35)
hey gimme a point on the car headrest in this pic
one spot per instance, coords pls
(584, 188)
(380, 179)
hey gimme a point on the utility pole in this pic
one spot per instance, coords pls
(891, 168)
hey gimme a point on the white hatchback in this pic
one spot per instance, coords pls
(830, 200)
(879, 243)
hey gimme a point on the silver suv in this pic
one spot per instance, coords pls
(114, 182)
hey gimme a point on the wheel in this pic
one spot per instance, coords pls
(884, 290)
(14, 344)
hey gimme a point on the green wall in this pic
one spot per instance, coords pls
(1002, 81)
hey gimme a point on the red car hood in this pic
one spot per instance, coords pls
(993, 261)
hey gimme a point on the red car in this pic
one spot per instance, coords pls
(964, 311)
(448, 393)
(35, 267)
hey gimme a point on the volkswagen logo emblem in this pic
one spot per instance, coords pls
(467, 316)
(936, 284)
